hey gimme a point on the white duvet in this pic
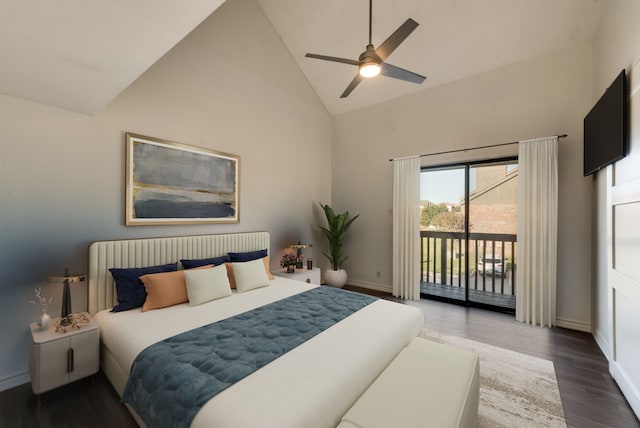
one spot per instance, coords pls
(311, 386)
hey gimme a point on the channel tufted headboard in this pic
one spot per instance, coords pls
(104, 255)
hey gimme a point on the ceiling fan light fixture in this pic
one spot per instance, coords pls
(370, 69)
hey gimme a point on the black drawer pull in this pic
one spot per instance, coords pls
(70, 360)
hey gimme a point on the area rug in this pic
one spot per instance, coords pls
(516, 390)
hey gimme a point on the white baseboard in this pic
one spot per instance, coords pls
(602, 344)
(574, 325)
(378, 287)
(14, 380)
(626, 386)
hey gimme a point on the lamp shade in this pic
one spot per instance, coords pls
(69, 278)
(300, 246)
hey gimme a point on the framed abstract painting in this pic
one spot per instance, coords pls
(173, 183)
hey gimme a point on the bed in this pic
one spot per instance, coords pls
(313, 385)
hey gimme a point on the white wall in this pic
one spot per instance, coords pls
(62, 174)
(545, 96)
(617, 283)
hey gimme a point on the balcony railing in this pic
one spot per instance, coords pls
(491, 264)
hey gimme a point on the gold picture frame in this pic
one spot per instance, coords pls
(173, 183)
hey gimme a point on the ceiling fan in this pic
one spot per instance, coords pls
(372, 61)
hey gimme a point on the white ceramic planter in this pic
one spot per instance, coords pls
(335, 278)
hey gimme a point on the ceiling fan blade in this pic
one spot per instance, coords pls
(356, 80)
(400, 73)
(333, 58)
(394, 40)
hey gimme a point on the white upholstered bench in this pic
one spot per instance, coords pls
(427, 385)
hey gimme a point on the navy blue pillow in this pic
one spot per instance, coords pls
(194, 263)
(129, 288)
(248, 256)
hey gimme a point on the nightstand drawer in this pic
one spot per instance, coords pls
(305, 275)
(49, 365)
(85, 359)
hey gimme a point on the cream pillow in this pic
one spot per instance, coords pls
(207, 284)
(249, 275)
(232, 279)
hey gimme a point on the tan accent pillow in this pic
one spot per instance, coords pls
(232, 278)
(267, 269)
(165, 289)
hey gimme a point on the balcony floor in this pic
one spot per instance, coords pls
(505, 301)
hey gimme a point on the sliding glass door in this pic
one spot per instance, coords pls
(442, 232)
(468, 233)
(493, 225)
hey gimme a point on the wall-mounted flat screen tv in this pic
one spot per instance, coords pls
(605, 128)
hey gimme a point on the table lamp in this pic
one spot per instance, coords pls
(66, 279)
(299, 246)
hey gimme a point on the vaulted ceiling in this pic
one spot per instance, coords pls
(80, 54)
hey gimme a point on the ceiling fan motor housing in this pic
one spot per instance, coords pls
(369, 56)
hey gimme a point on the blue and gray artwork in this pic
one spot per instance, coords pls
(171, 183)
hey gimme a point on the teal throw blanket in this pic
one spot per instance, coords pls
(171, 380)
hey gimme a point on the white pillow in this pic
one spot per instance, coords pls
(250, 275)
(204, 285)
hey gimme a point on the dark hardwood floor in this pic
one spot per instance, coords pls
(589, 395)
(85, 403)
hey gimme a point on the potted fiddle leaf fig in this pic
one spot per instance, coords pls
(335, 232)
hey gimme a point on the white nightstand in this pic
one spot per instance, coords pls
(305, 275)
(56, 359)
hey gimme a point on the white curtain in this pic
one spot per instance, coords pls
(537, 231)
(406, 228)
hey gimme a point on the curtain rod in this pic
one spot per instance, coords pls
(471, 148)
